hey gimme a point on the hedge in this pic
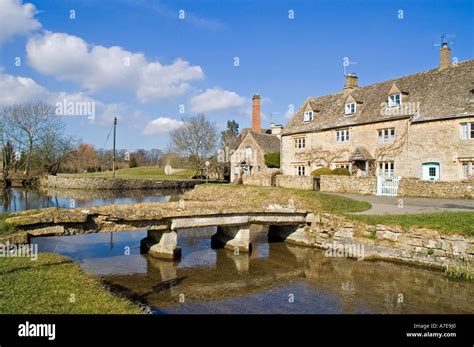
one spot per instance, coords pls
(322, 171)
(272, 159)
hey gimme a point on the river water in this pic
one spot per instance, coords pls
(274, 278)
(18, 199)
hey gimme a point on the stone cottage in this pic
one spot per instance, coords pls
(419, 126)
(248, 158)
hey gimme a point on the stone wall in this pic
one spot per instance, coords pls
(295, 182)
(412, 187)
(116, 183)
(349, 184)
(264, 180)
(420, 188)
(417, 246)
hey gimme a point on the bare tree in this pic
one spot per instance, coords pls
(53, 150)
(27, 124)
(195, 139)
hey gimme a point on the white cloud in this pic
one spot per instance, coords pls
(70, 58)
(216, 99)
(16, 19)
(161, 125)
(17, 89)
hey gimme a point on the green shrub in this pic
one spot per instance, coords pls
(341, 171)
(272, 159)
(321, 171)
(133, 162)
(459, 272)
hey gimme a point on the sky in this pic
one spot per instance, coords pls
(153, 63)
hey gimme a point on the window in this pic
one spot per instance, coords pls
(300, 142)
(300, 170)
(467, 131)
(394, 100)
(467, 169)
(342, 135)
(343, 166)
(387, 168)
(308, 116)
(350, 108)
(248, 152)
(386, 135)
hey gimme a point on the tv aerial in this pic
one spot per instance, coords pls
(445, 40)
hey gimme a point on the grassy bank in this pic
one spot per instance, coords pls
(54, 284)
(447, 222)
(5, 228)
(261, 197)
(144, 172)
(254, 196)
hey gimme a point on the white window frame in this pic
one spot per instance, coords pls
(350, 108)
(300, 142)
(392, 100)
(469, 167)
(466, 130)
(342, 135)
(386, 135)
(386, 168)
(299, 170)
(308, 116)
(248, 152)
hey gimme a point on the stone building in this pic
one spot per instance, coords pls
(248, 158)
(419, 126)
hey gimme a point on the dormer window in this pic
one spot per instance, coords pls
(394, 100)
(308, 116)
(350, 108)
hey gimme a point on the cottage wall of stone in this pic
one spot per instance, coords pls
(415, 144)
(439, 142)
(321, 147)
(256, 159)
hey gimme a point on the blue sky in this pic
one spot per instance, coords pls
(190, 61)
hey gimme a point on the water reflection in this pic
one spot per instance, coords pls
(18, 199)
(276, 278)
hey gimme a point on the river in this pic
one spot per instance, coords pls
(19, 199)
(274, 278)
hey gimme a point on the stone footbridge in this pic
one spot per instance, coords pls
(163, 222)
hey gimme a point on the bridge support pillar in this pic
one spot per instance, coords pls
(294, 234)
(235, 238)
(162, 244)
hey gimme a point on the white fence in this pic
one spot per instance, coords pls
(387, 186)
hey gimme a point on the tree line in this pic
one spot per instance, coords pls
(34, 142)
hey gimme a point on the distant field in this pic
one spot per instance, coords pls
(144, 172)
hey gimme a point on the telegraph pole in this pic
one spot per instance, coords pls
(114, 154)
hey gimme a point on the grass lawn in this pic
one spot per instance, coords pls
(143, 172)
(5, 228)
(56, 285)
(446, 222)
(449, 222)
(261, 197)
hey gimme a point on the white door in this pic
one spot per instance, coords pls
(431, 171)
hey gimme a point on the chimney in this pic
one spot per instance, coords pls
(276, 129)
(351, 82)
(444, 56)
(256, 113)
